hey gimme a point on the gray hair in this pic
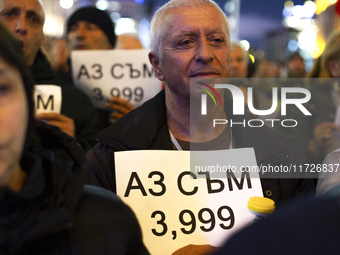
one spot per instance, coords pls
(244, 52)
(161, 18)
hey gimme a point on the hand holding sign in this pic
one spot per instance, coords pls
(65, 123)
(120, 107)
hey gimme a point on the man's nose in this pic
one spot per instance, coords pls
(21, 26)
(204, 52)
(81, 31)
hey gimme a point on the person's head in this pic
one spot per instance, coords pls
(25, 19)
(330, 58)
(296, 66)
(128, 42)
(16, 105)
(90, 29)
(239, 61)
(189, 39)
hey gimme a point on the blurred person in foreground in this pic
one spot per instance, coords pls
(78, 117)
(325, 99)
(327, 134)
(45, 206)
(318, 135)
(89, 28)
(191, 39)
(307, 227)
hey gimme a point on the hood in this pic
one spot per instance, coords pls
(56, 167)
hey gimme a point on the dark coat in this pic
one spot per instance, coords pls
(146, 128)
(308, 227)
(75, 103)
(55, 213)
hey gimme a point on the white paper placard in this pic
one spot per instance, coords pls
(175, 210)
(105, 73)
(47, 98)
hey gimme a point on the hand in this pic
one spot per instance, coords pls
(120, 107)
(191, 249)
(65, 123)
(323, 134)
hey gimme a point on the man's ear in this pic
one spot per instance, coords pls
(156, 65)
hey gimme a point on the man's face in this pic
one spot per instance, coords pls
(296, 67)
(85, 35)
(25, 18)
(238, 63)
(195, 45)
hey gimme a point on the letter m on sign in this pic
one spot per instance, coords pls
(40, 101)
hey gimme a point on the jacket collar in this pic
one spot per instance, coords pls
(146, 128)
(143, 128)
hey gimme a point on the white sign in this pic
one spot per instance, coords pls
(123, 73)
(47, 98)
(176, 207)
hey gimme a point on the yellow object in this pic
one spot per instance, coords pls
(261, 205)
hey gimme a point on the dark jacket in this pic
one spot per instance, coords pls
(308, 227)
(146, 128)
(55, 213)
(75, 104)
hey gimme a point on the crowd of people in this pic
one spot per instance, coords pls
(57, 170)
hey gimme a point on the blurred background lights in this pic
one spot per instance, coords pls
(289, 4)
(287, 11)
(54, 25)
(66, 4)
(321, 5)
(102, 5)
(139, 1)
(115, 6)
(144, 32)
(245, 44)
(293, 45)
(232, 22)
(307, 23)
(310, 8)
(300, 11)
(115, 16)
(125, 25)
(252, 58)
(307, 40)
(292, 21)
(229, 7)
(318, 49)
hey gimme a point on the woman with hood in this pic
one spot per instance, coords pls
(45, 208)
